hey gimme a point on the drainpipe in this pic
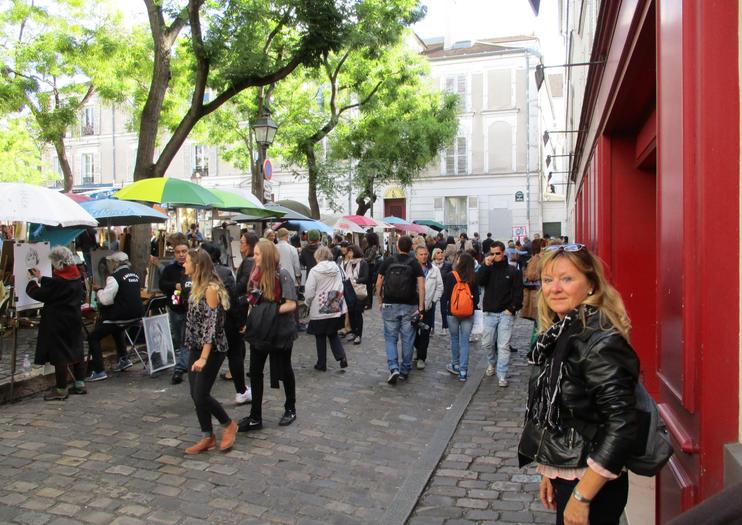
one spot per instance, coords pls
(528, 143)
(113, 142)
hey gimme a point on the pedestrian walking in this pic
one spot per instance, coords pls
(503, 297)
(356, 270)
(585, 377)
(269, 283)
(462, 293)
(323, 294)
(235, 343)
(433, 293)
(373, 257)
(59, 341)
(532, 283)
(451, 250)
(444, 267)
(207, 346)
(176, 285)
(401, 293)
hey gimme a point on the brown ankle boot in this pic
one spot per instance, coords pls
(228, 437)
(205, 444)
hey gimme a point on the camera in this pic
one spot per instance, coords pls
(417, 322)
(254, 296)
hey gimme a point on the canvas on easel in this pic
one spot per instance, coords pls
(100, 269)
(27, 255)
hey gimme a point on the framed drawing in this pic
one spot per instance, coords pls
(159, 343)
(27, 255)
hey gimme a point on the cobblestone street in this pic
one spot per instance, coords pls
(360, 451)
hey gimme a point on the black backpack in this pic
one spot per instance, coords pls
(399, 284)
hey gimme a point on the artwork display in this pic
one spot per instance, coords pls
(27, 255)
(236, 255)
(100, 268)
(220, 238)
(159, 342)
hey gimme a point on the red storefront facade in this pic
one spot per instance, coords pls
(655, 192)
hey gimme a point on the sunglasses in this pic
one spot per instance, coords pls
(573, 247)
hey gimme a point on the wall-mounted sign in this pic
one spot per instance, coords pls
(518, 196)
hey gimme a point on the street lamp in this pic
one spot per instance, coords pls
(265, 131)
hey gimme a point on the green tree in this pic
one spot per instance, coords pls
(398, 138)
(20, 154)
(54, 60)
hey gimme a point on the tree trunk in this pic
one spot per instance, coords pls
(313, 172)
(366, 198)
(64, 163)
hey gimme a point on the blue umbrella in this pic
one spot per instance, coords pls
(302, 226)
(114, 212)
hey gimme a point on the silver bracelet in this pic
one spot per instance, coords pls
(579, 497)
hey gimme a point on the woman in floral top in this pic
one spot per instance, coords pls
(207, 345)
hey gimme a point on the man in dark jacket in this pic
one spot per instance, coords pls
(306, 257)
(176, 285)
(119, 301)
(503, 296)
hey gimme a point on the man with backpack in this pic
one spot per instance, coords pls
(503, 296)
(400, 289)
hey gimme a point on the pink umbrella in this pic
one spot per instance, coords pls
(77, 197)
(410, 228)
(361, 220)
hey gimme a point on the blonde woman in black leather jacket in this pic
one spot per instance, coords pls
(585, 376)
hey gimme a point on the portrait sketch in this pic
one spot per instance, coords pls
(27, 255)
(100, 266)
(159, 343)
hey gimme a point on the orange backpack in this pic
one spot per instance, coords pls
(462, 300)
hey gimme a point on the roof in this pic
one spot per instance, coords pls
(434, 47)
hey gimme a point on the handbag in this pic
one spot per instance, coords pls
(359, 288)
(348, 291)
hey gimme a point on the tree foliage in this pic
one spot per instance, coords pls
(20, 155)
(54, 58)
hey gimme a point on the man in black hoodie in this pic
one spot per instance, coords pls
(503, 297)
(176, 285)
(306, 257)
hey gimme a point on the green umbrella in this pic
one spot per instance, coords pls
(430, 224)
(175, 192)
(232, 201)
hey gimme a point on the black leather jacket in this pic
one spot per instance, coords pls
(597, 395)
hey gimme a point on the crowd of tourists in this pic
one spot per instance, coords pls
(584, 370)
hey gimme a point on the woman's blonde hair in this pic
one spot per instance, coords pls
(436, 251)
(204, 276)
(604, 296)
(269, 258)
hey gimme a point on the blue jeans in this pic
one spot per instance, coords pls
(177, 330)
(460, 329)
(398, 325)
(498, 327)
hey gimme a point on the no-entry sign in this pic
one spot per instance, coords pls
(267, 169)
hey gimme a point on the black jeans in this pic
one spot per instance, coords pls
(235, 355)
(356, 318)
(286, 373)
(422, 337)
(606, 507)
(60, 373)
(336, 346)
(103, 330)
(201, 383)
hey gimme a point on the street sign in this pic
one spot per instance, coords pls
(267, 169)
(268, 190)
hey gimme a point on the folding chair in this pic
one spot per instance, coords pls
(127, 325)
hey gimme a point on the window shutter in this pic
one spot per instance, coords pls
(450, 160)
(461, 155)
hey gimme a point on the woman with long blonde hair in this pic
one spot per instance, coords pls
(585, 376)
(269, 282)
(206, 342)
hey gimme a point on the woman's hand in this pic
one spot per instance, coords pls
(546, 493)
(576, 513)
(35, 272)
(199, 364)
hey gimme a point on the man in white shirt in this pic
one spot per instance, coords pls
(289, 255)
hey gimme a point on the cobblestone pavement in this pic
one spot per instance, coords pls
(116, 455)
(478, 479)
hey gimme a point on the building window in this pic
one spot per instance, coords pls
(87, 168)
(200, 161)
(457, 85)
(456, 157)
(87, 124)
(455, 214)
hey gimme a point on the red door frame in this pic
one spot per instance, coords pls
(697, 137)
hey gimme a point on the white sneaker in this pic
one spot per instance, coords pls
(420, 364)
(243, 398)
(444, 331)
(502, 382)
(490, 370)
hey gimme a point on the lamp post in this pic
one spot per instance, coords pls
(265, 130)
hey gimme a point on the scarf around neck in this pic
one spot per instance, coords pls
(544, 400)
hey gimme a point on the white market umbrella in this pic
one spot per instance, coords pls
(26, 203)
(348, 226)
